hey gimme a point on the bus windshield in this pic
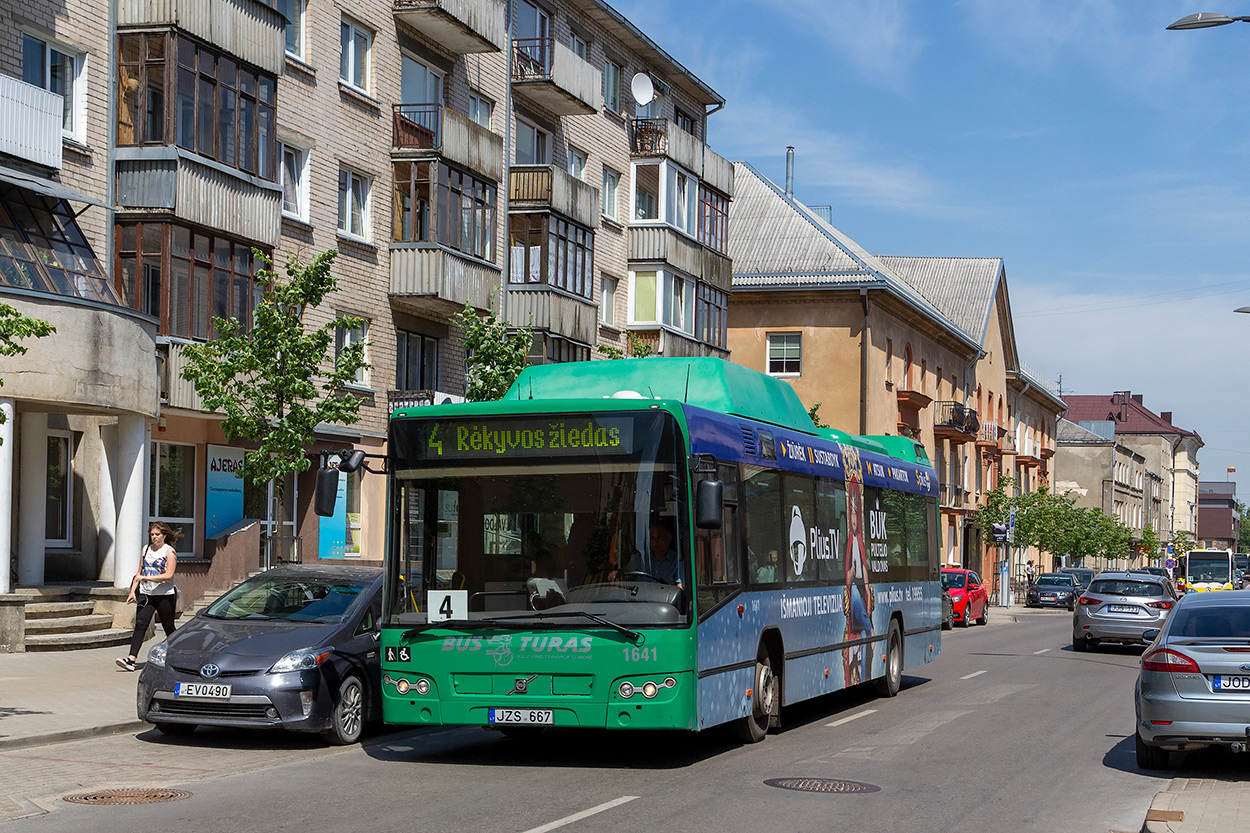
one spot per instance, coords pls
(1209, 568)
(542, 517)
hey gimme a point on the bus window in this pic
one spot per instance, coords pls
(831, 518)
(717, 568)
(918, 552)
(803, 549)
(763, 521)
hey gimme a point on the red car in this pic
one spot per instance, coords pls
(970, 600)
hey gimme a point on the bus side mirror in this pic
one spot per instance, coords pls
(709, 497)
(326, 492)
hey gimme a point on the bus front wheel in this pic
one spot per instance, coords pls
(764, 702)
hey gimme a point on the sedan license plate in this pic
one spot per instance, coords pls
(523, 717)
(1224, 683)
(211, 691)
(1121, 609)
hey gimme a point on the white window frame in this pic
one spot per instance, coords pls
(345, 203)
(77, 110)
(612, 72)
(345, 337)
(611, 194)
(176, 522)
(347, 57)
(608, 287)
(541, 20)
(768, 353)
(672, 311)
(577, 163)
(300, 8)
(479, 104)
(677, 198)
(301, 182)
(67, 540)
(430, 74)
(542, 143)
(579, 45)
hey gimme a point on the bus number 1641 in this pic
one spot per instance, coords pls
(638, 654)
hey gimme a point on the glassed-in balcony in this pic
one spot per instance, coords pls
(662, 137)
(251, 29)
(550, 75)
(464, 27)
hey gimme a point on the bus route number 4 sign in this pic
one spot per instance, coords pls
(442, 605)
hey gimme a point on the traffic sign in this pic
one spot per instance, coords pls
(1170, 563)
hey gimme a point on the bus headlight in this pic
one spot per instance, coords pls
(626, 690)
(422, 686)
(649, 690)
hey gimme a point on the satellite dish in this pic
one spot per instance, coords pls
(642, 88)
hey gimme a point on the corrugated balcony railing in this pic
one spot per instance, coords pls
(176, 392)
(550, 187)
(250, 29)
(554, 312)
(199, 191)
(430, 279)
(446, 133)
(549, 74)
(396, 399)
(464, 27)
(955, 421)
(30, 122)
(662, 244)
(662, 137)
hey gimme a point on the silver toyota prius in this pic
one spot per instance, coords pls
(1193, 689)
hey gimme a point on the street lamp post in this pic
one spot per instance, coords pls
(1205, 20)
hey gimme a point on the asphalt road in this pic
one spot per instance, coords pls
(1007, 730)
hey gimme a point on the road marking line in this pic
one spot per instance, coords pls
(974, 674)
(616, 802)
(855, 716)
(1044, 650)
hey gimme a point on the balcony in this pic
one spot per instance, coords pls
(465, 27)
(550, 188)
(250, 29)
(30, 122)
(673, 344)
(987, 435)
(554, 312)
(176, 392)
(955, 422)
(199, 191)
(661, 137)
(662, 244)
(550, 75)
(951, 497)
(910, 404)
(430, 280)
(396, 399)
(420, 130)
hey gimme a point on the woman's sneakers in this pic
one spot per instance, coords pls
(125, 663)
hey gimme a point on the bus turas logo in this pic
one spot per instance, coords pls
(504, 648)
(798, 548)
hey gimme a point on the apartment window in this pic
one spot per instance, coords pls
(216, 106)
(532, 144)
(463, 204)
(294, 12)
(577, 164)
(481, 110)
(355, 44)
(172, 491)
(42, 249)
(59, 504)
(711, 316)
(785, 354)
(354, 203)
(579, 45)
(612, 85)
(416, 361)
(679, 306)
(548, 249)
(346, 337)
(645, 295)
(680, 206)
(418, 83)
(889, 362)
(184, 276)
(686, 122)
(550, 349)
(610, 193)
(662, 297)
(646, 190)
(295, 182)
(682, 192)
(713, 219)
(60, 72)
(607, 301)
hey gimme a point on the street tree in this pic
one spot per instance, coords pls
(1243, 534)
(494, 356)
(1182, 543)
(14, 326)
(1148, 545)
(278, 380)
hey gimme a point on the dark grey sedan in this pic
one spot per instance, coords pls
(295, 647)
(1052, 590)
(1193, 689)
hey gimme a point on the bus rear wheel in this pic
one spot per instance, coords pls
(889, 685)
(764, 703)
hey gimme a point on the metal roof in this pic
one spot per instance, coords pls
(963, 288)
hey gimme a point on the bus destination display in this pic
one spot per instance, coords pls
(552, 437)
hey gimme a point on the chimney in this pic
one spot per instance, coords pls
(790, 172)
(1166, 416)
(1137, 398)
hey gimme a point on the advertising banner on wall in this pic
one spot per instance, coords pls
(223, 489)
(332, 532)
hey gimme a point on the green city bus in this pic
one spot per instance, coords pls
(648, 544)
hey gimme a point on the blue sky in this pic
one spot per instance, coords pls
(1105, 159)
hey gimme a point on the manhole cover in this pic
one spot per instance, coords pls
(821, 785)
(132, 795)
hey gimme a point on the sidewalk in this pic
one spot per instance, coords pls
(1199, 805)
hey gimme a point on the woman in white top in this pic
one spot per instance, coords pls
(152, 588)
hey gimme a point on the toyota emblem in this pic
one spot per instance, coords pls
(210, 671)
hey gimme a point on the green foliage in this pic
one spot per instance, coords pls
(1243, 536)
(268, 380)
(814, 413)
(636, 348)
(1054, 524)
(1182, 543)
(1149, 544)
(494, 358)
(13, 327)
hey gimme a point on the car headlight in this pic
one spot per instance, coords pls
(156, 656)
(304, 659)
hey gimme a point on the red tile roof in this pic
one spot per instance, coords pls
(1126, 410)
